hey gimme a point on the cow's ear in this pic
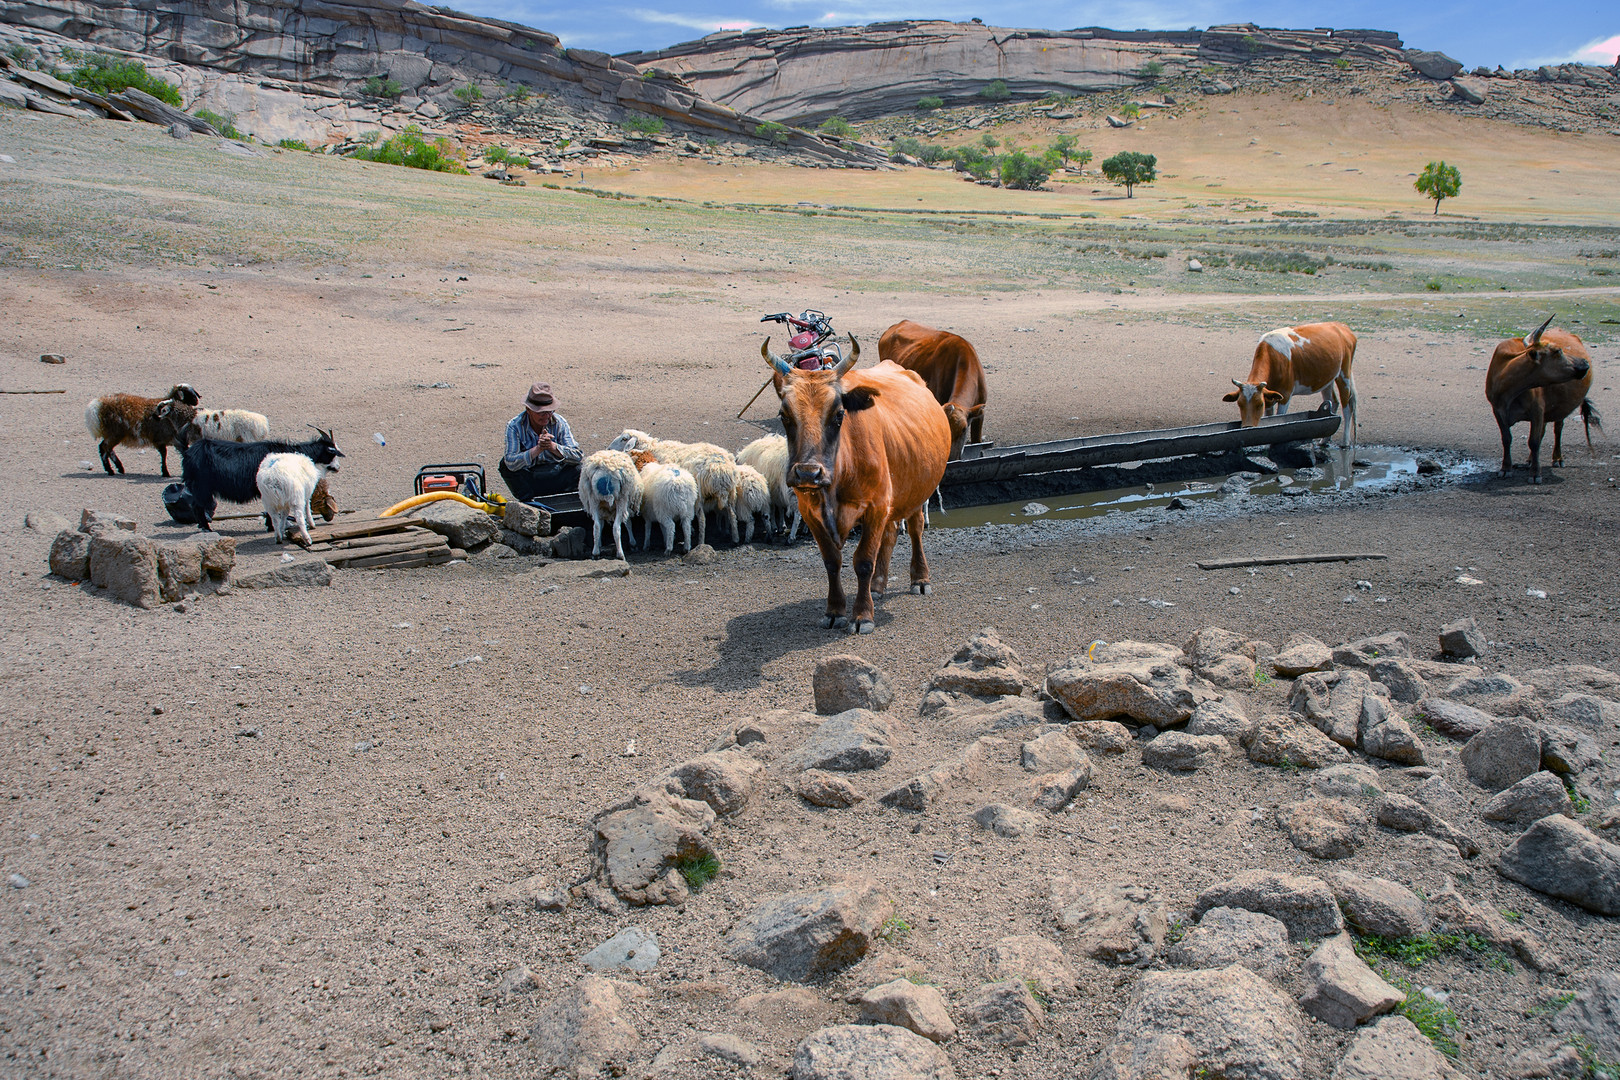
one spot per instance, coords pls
(779, 382)
(861, 397)
(977, 410)
(1271, 396)
(1233, 396)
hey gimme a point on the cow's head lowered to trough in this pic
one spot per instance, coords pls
(814, 405)
(1252, 399)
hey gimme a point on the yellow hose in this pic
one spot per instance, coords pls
(433, 496)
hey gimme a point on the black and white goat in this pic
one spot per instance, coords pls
(212, 470)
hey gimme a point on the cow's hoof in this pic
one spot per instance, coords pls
(834, 622)
(1535, 479)
(864, 626)
(922, 588)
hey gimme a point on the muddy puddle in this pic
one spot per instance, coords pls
(1364, 470)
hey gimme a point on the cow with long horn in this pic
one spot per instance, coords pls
(1540, 378)
(864, 447)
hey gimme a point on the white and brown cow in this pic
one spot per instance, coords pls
(1310, 359)
(865, 447)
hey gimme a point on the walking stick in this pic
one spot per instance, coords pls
(755, 398)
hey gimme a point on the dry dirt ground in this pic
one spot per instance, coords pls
(259, 837)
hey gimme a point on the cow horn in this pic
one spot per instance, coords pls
(775, 361)
(1535, 338)
(1237, 384)
(849, 361)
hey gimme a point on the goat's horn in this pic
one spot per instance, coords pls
(775, 361)
(1535, 337)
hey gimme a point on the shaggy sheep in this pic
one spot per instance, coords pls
(769, 455)
(131, 420)
(713, 466)
(669, 494)
(229, 425)
(287, 484)
(610, 491)
(752, 499)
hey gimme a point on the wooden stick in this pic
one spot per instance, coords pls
(64, 391)
(1284, 560)
(755, 398)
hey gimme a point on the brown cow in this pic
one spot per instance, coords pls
(1540, 378)
(1310, 359)
(951, 369)
(868, 447)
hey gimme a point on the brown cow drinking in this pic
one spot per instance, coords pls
(951, 369)
(1310, 359)
(865, 447)
(1540, 378)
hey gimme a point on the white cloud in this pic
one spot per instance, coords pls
(706, 23)
(1601, 51)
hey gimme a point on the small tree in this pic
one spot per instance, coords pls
(996, 91)
(1439, 181)
(1083, 158)
(1151, 70)
(990, 141)
(838, 126)
(928, 103)
(772, 132)
(1019, 170)
(1131, 168)
(1064, 145)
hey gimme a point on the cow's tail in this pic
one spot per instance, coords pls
(1591, 418)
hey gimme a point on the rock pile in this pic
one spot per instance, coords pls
(106, 551)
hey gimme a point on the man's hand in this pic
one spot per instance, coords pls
(543, 448)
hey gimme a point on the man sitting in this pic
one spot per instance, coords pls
(542, 457)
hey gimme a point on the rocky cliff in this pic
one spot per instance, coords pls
(809, 73)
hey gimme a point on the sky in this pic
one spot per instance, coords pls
(1488, 32)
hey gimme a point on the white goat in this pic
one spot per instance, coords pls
(610, 491)
(286, 483)
(769, 456)
(752, 499)
(230, 425)
(669, 494)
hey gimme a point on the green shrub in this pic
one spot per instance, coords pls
(1151, 70)
(1272, 262)
(1019, 170)
(1439, 181)
(698, 870)
(500, 155)
(1432, 285)
(225, 123)
(469, 93)
(520, 92)
(928, 103)
(1063, 146)
(643, 125)
(894, 930)
(382, 87)
(933, 153)
(973, 161)
(1130, 168)
(1341, 63)
(773, 133)
(837, 125)
(294, 144)
(411, 150)
(105, 74)
(996, 91)
(1435, 1019)
(905, 144)
(22, 55)
(990, 141)
(1131, 110)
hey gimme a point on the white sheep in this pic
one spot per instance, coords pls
(286, 483)
(769, 455)
(610, 491)
(713, 466)
(752, 499)
(669, 494)
(229, 425)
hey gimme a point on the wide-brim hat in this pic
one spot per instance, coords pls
(540, 397)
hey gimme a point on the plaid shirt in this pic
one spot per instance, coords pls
(521, 438)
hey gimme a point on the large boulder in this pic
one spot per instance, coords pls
(1302, 654)
(1115, 923)
(1288, 742)
(1528, 801)
(1568, 751)
(1102, 736)
(642, 846)
(869, 1052)
(526, 520)
(293, 575)
(70, 555)
(1007, 821)
(1393, 1049)
(849, 742)
(1463, 916)
(1405, 814)
(126, 566)
(848, 682)
(1378, 906)
(1033, 959)
(188, 562)
(1503, 754)
(1227, 936)
(1178, 751)
(1054, 751)
(465, 527)
(1462, 639)
(906, 1004)
(984, 667)
(1364, 652)
(923, 790)
(813, 933)
(1452, 718)
(726, 780)
(1594, 1015)
(1344, 991)
(1432, 65)
(1325, 828)
(1227, 1022)
(1499, 695)
(1005, 1012)
(583, 1033)
(1400, 678)
(1225, 717)
(1303, 904)
(1585, 710)
(1560, 858)
(1157, 692)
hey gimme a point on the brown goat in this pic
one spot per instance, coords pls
(129, 419)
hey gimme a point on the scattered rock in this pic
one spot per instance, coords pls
(1325, 828)
(878, 1052)
(1102, 736)
(810, 934)
(1375, 905)
(726, 780)
(582, 1033)
(847, 682)
(1404, 814)
(1392, 740)
(1006, 711)
(1393, 1049)
(1351, 780)
(1499, 695)
(631, 949)
(1181, 752)
(1229, 1022)
(1032, 958)
(640, 845)
(1157, 692)
(1550, 682)
(1400, 678)
(1460, 915)
(1224, 717)
(1585, 710)
(97, 521)
(1364, 652)
(1053, 791)
(45, 521)
(1008, 821)
(537, 893)
(1303, 904)
(849, 742)
(826, 789)
(289, 575)
(730, 1048)
(126, 566)
(1288, 741)
(1462, 639)
(984, 667)
(1433, 65)
(1560, 858)
(575, 542)
(457, 522)
(1528, 801)
(1004, 1012)
(1052, 752)
(526, 520)
(1344, 991)
(1119, 121)
(924, 789)
(1118, 924)
(1503, 754)
(1568, 752)
(1595, 1016)
(70, 555)
(907, 1005)
(1227, 936)
(1302, 654)
(1441, 798)
(1453, 719)
(52, 358)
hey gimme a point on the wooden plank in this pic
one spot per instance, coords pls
(1287, 560)
(397, 560)
(350, 554)
(415, 536)
(347, 530)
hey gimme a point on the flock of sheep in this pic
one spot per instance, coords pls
(678, 484)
